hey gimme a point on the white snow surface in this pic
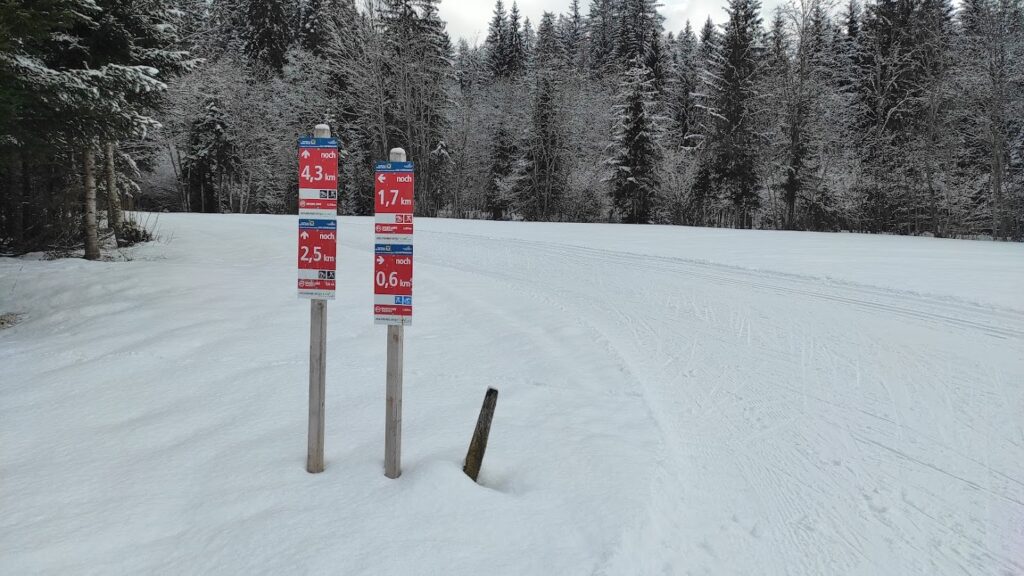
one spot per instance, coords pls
(672, 401)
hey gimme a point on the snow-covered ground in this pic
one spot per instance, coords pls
(672, 401)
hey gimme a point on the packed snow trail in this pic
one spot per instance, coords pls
(673, 400)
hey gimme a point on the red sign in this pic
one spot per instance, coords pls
(318, 252)
(393, 254)
(394, 190)
(393, 275)
(318, 177)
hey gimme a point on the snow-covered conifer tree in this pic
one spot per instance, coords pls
(636, 151)
(267, 35)
(734, 100)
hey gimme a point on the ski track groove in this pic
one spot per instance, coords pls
(725, 274)
(719, 410)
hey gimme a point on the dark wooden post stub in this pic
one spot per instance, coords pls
(475, 456)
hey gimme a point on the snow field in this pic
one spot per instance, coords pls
(672, 400)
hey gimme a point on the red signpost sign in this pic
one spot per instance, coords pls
(393, 254)
(318, 255)
(318, 177)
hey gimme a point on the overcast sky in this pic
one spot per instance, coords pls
(468, 18)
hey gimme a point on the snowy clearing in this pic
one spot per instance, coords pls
(672, 401)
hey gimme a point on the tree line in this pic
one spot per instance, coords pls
(80, 84)
(898, 116)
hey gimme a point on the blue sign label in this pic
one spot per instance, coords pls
(402, 249)
(393, 167)
(317, 224)
(403, 300)
(318, 142)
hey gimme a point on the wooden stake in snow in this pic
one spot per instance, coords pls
(478, 445)
(393, 412)
(317, 366)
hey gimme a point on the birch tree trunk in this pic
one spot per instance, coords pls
(114, 213)
(92, 242)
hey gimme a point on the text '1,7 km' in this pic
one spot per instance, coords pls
(393, 254)
(318, 177)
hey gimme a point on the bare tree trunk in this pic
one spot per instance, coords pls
(176, 166)
(115, 215)
(92, 242)
(20, 202)
(997, 186)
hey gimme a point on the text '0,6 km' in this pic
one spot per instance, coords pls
(393, 254)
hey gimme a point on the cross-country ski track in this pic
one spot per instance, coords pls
(672, 401)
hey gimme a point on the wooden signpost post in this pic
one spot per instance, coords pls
(318, 232)
(393, 258)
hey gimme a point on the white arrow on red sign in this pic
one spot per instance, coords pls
(305, 235)
(380, 259)
(380, 178)
(305, 153)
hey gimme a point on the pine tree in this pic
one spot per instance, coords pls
(40, 65)
(211, 159)
(317, 24)
(989, 62)
(682, 83)
(419, 56)
(901, 86)
(130, 50)
(798, 79)
(734, 100)
(851, 19)
(436, 75)
(639, 24)
(709, 39)
(932, 142)
(602, 29)
(497, 42)
(548, 54)
(77, 77)
(267, 35)
(704, 126)
(529, 41)
(539, 180)
(503, 151)
(635, 182)
(849, 49)
(516, 62)
(227, 29)
(656, 60)
(541, 174)
(572, 35)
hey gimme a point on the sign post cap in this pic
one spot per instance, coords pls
(397, 155)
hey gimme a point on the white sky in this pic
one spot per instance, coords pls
(468, 18)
